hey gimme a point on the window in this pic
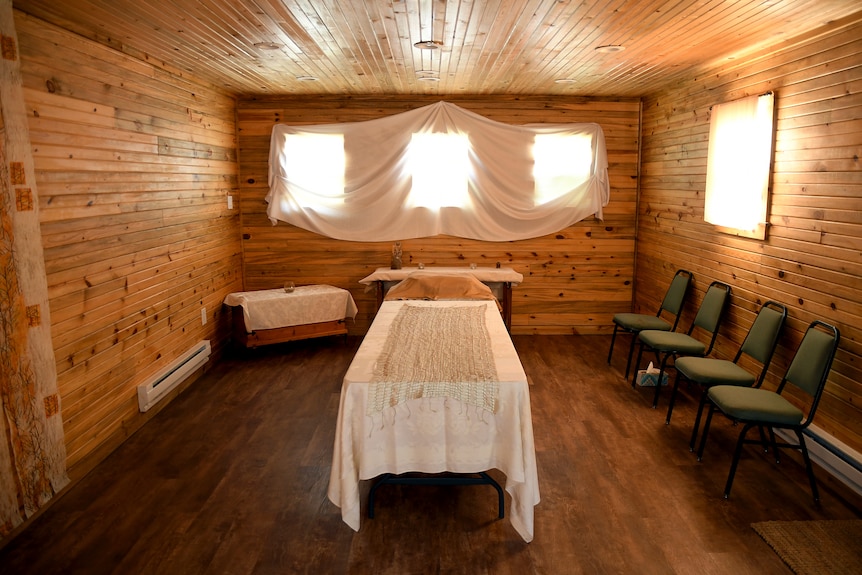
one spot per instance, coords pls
(737, 169)
(561, 162)
(438, 164)
(315, 163)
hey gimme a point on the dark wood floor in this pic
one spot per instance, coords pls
(232, 477)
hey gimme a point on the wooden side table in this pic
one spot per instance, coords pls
(274, 316)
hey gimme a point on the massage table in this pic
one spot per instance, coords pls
(389, 427)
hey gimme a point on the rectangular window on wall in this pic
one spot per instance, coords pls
(439, 167)
(562, 162)
(738, 165)
(316, 163)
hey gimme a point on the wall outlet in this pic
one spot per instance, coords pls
(203, 316)
(230, 202)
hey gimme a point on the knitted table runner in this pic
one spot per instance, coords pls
(436, 352)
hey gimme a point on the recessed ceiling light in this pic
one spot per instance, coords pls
(428, 79)
(426, 72)
(564, 81)
(610, 49)
(427, 45)
(307, 78)
(268, 46)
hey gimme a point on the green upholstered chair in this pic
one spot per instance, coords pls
(765, 409)
(671, 344)
(671, 306)
(758, 345)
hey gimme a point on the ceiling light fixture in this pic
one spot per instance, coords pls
(564, 81)
(426, 30)
(610, 48)
(427, 45)
(307, 78)
(426, 25)
(268, 45)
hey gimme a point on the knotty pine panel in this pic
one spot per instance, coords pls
(811, 258)
(133, 166)
(574, 280)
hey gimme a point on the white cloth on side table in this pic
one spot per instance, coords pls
(274, 308)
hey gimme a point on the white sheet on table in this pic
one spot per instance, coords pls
(437, 434)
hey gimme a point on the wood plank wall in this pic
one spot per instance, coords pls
(574, 280)
(133, 166)
(812, 258)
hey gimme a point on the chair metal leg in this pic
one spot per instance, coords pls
(637, 363)
(705, 431)
(736, 454)
(672, 399)
(696, 427)
(763, 441)
(658, 382)
(631, 352)
(774, 445)
(808, 467)
(611, 350)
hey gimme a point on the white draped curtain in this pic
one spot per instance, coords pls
(365, 189)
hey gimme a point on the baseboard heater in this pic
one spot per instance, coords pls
(151, 393)
(839, 459)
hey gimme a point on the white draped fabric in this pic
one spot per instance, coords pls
(373, 203)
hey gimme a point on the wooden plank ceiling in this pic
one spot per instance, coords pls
(514, 47)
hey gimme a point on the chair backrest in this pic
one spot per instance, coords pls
(711, 311)
(810, 366)
(674, 298)
(762, 337)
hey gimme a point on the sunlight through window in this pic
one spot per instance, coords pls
(314, 164)
(439, 166)
(562, 162)
(737, 169)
